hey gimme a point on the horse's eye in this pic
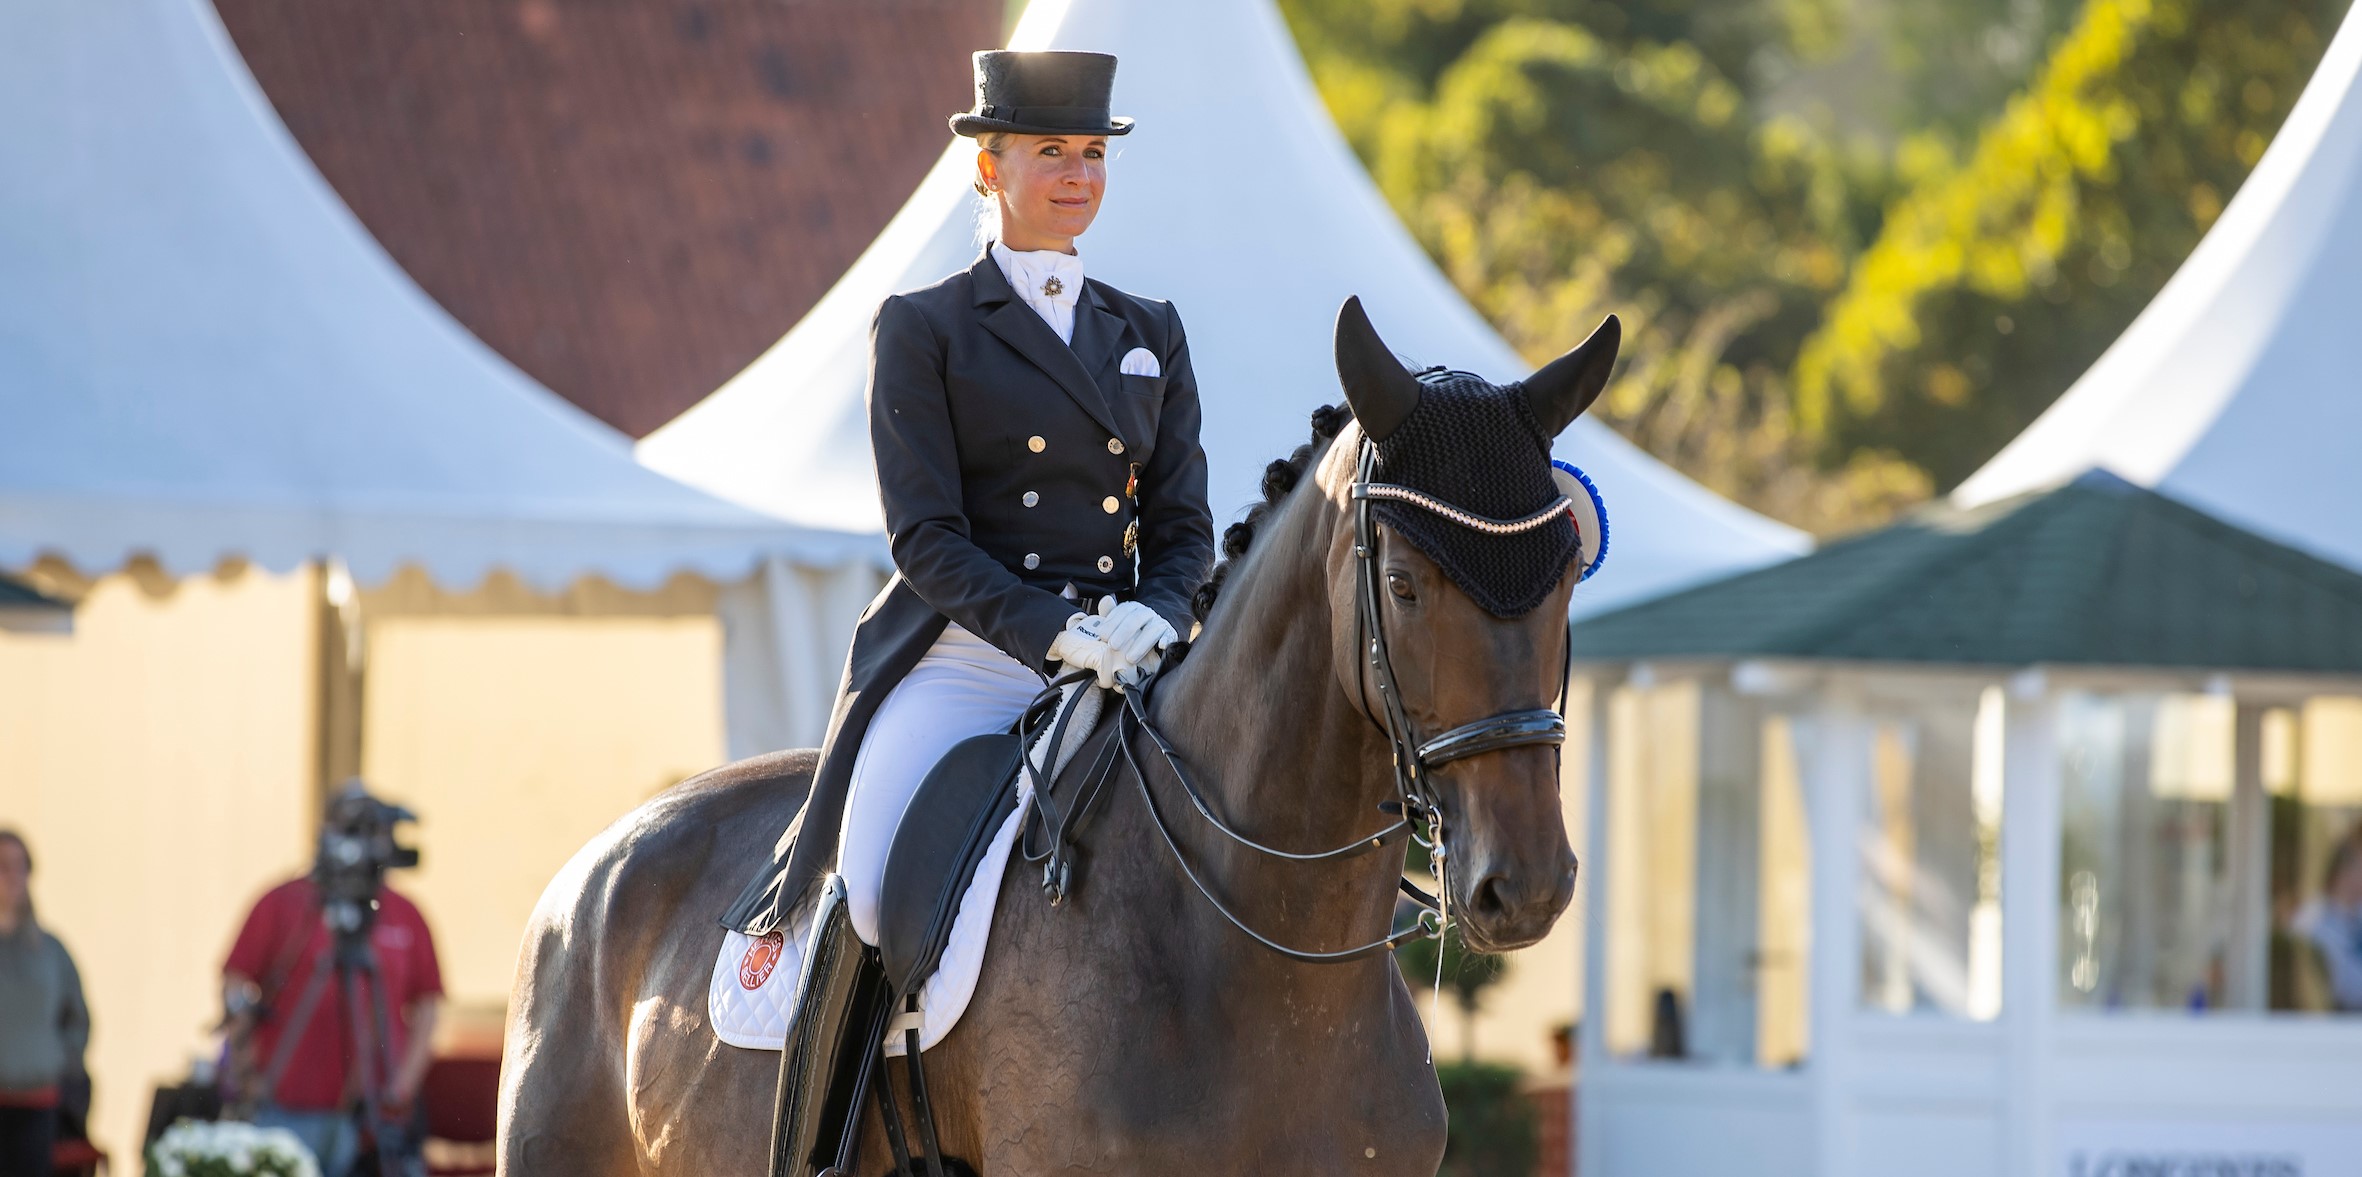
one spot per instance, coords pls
(1400, 586)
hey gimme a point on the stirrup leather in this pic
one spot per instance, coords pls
(831, 1054)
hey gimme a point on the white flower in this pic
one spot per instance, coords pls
(242, 1149)
(285, 1147)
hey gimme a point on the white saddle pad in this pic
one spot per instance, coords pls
(752, 997)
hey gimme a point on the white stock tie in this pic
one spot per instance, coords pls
(1048, 281)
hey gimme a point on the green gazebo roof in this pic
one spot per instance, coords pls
(2095, 572)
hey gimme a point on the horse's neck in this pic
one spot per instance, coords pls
(1259, 717)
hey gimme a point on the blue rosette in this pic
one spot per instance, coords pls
(1589, 512)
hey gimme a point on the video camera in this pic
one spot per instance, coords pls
(357, 848)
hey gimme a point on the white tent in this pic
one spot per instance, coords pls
(2239, 388)
(1257, 274)
(205, 360)
(204, 355)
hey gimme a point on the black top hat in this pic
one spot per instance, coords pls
(1042, 93)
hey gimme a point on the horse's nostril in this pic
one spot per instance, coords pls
(1490, 904)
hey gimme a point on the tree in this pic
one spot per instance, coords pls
(1996, 280)
(1857, 244)
(1558, 176)
(1492, 1127)
(1561, 160)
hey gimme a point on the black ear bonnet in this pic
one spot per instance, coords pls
(1478, 447)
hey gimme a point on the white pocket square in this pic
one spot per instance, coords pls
(1141, 362)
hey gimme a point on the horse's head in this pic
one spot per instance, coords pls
(1470, 573)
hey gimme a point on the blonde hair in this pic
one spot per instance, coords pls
(988, 207)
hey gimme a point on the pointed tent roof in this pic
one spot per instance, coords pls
(203, 354)
(2239, 388)
(2098, 572)
(1208, 80)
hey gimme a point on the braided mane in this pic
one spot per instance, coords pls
(1279, 478)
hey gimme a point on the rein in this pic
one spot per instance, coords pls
(1416, 801)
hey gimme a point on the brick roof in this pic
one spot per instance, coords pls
(2096, 572)
(630, 199)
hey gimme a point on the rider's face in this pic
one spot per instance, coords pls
(1048, 187)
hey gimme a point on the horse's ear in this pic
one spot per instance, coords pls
(1567, 385)
(1381, 391)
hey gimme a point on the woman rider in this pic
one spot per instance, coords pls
(1036, 440)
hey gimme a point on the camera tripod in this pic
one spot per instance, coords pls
(351, 965)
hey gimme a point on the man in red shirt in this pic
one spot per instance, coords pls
(318, 1094)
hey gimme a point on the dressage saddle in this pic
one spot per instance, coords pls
(942, 839)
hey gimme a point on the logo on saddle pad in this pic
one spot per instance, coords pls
(762, 956)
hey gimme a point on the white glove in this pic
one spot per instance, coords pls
(1136, 637)
(1081, 647)
(1135, 630)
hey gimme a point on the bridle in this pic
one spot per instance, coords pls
(1413, 758)
(1416, 802)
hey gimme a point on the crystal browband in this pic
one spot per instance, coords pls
(1468, 519)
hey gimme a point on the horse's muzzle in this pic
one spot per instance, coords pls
(1510, 909)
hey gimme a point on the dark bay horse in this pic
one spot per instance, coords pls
(1129, 1030)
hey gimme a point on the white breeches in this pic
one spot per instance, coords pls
(963, 686)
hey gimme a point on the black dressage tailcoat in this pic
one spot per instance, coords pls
(1012, 466)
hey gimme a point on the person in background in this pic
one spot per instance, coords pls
(44, 1024)
(2332, 922)
(277, 952)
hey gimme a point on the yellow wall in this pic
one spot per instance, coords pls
(1783, 1012)
(516, 739)
(159, 760)
(1652, 840)
(162, 761)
